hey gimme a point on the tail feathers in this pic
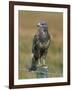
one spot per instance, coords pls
(34, 65)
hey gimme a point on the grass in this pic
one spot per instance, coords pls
(54, 58)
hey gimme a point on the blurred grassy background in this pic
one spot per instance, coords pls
(27, 28)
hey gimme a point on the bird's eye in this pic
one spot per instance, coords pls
(43, 24)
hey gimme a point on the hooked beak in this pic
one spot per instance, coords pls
(38, 25)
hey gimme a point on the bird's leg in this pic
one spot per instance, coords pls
(43, 61)
(39, 62)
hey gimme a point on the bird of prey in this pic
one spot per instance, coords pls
(41, 43)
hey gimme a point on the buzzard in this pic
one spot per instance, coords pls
(41, 43)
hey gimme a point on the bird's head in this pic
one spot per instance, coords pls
(42, 26)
